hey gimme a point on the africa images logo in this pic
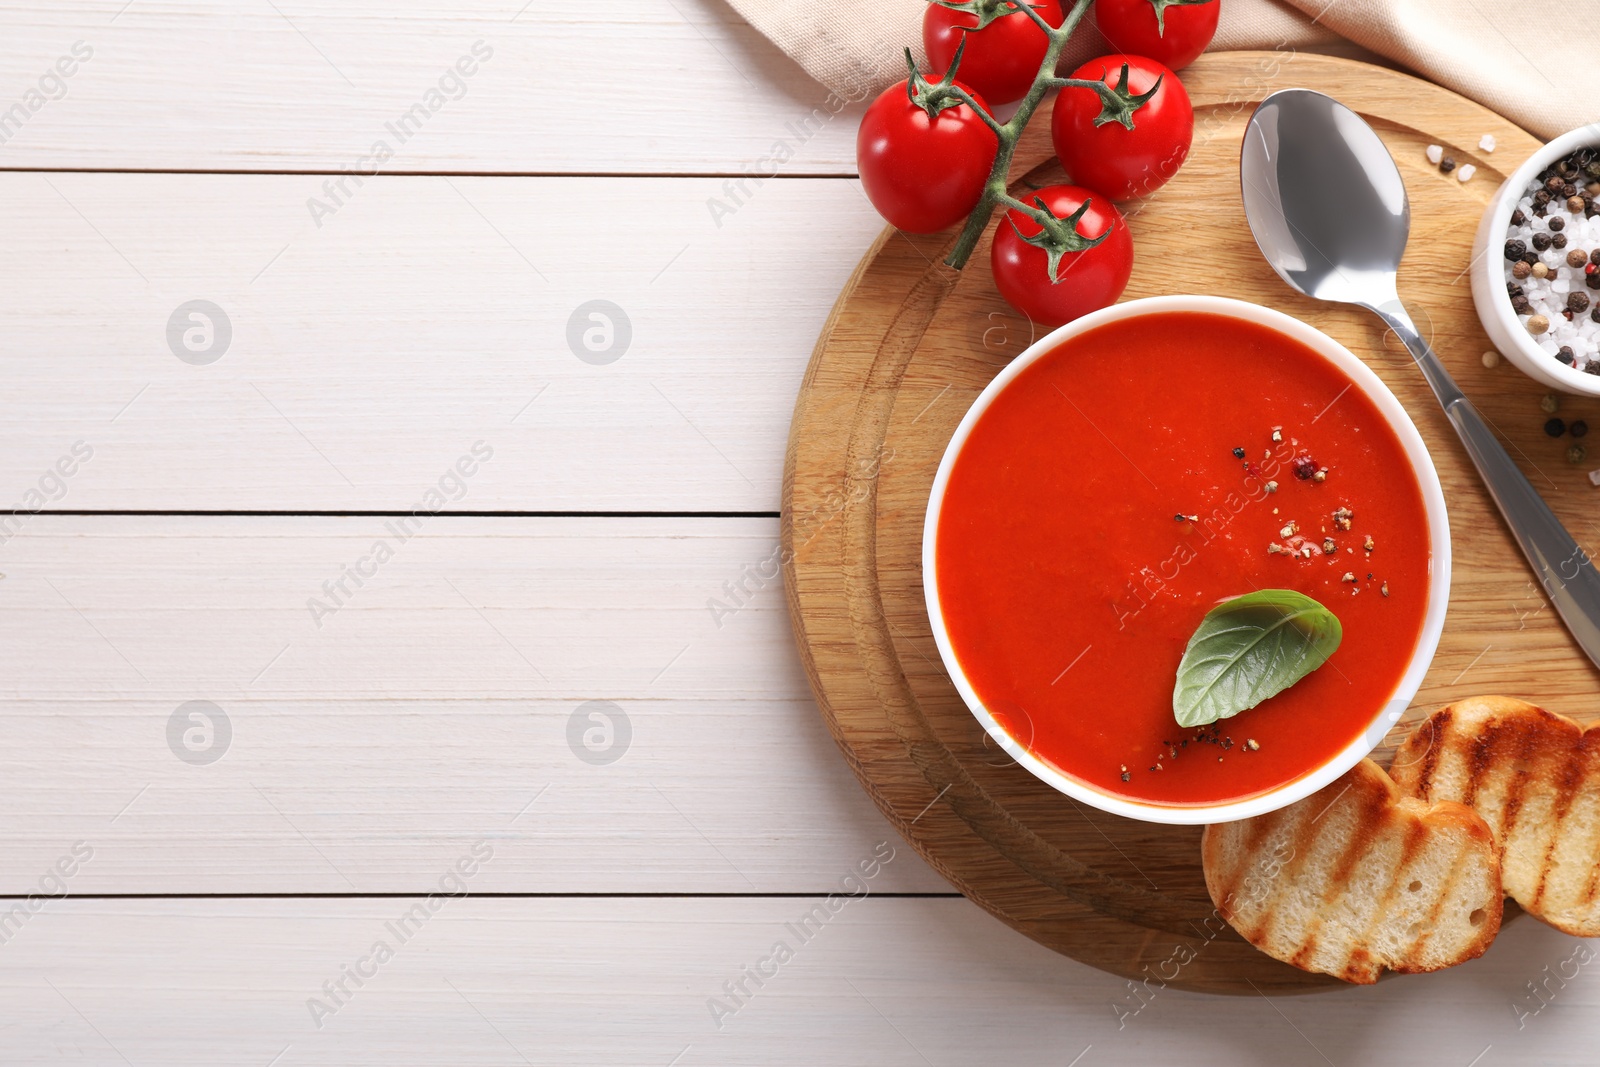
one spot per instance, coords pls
(52, 85)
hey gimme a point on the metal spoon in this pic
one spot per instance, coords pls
(1329, 210)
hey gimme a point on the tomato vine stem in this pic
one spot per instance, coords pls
(1010, 132)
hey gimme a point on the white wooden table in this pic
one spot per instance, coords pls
(524, 705)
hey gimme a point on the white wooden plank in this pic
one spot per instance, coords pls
(884, 982)
(365, 356)
(629, 86)
(432, 706)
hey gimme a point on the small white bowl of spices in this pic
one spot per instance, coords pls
(1536, 265)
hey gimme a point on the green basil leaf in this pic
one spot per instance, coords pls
(1248, 649)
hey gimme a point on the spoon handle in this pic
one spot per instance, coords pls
(1562, 565)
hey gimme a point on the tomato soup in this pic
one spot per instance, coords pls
(1128, 481)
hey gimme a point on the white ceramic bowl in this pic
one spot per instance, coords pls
(1505, 330)
(1439, 581)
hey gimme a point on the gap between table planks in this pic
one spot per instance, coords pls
(909, 346)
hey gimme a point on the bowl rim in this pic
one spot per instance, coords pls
(1388, 713)
(1528, 355)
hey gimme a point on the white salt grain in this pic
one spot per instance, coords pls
(1435, 154)
(1486, 142)
(1465, 172)
(1554, 282)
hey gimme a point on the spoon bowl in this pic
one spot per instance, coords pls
(1310, 168)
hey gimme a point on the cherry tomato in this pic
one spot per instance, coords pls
(1085, 281)
(1173, 32)
(923, 173)
(1002, 59)
(1105, 154)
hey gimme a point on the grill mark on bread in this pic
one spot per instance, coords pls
(1409, 850)
(1226, 893)
(1522, 777)
(1412, 835)
(1431, 925)
(1510, 743)
(1480, 757)
(1223, 884)
(1571, 776)
(1438, 726)
(1415, 838)
(1371, 825)
(1584, 753)
(1375, 823)
(1235, 881)
(1372, 811)
(1261, 829)
(1349, 855)
(1300, 849)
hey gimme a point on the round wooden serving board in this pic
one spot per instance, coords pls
(907, 349)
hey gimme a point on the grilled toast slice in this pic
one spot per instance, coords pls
(1357, 878)
(1534, 776)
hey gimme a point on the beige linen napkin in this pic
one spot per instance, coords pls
(1508, 56)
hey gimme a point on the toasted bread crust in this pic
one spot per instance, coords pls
(1534, 777)
(1357, 878)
